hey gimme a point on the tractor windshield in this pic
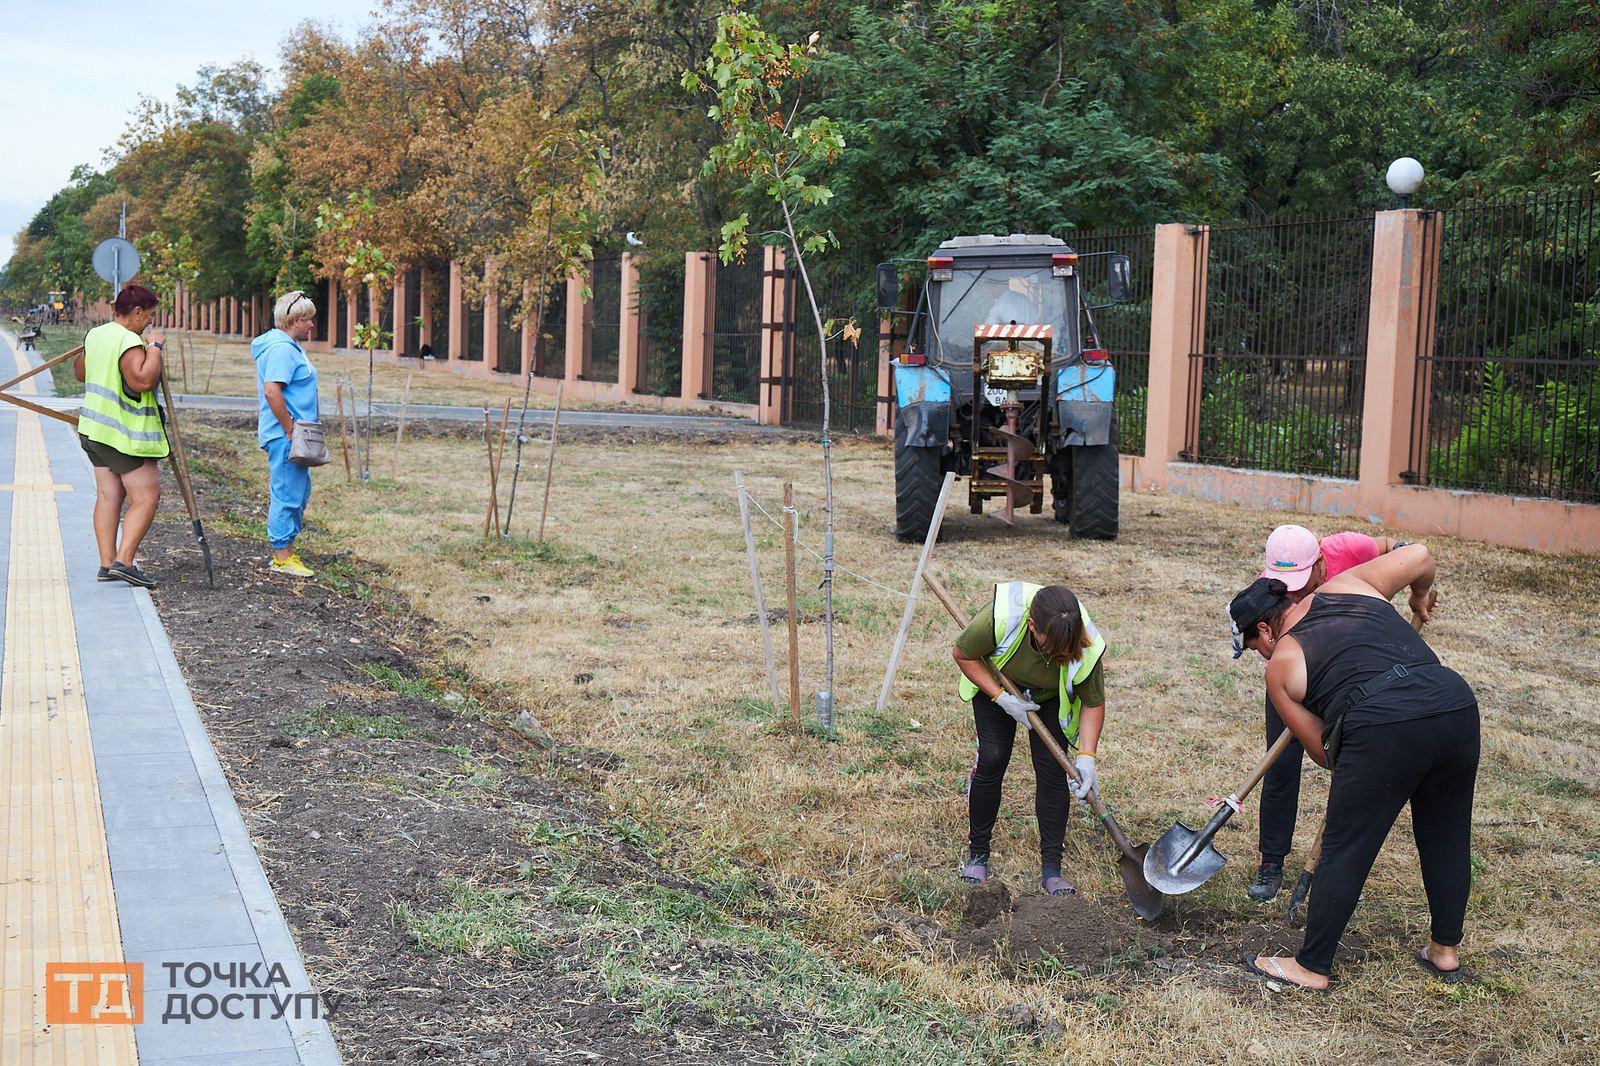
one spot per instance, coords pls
(1002, 295)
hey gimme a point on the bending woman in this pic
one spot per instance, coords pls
(1043, 640)
(1357, 686)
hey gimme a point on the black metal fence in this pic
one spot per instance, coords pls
(661, 326)
(1279, 365)
(1124, 328)
(846, 299)
(606, 321)
(550, 342)
(474, 338)
(437, 281)
(408, 337)
(508, 358)
(1507, 394)
(735, 330)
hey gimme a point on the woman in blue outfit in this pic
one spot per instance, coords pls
(286, 386)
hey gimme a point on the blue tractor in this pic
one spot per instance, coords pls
(1003, 380)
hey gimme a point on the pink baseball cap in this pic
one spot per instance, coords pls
(1291, 553)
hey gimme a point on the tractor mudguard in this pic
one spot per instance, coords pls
(922, 394)
(1083, 403)
(1083, 422)
(927, 424)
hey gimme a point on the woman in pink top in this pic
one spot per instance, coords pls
(1297, 558)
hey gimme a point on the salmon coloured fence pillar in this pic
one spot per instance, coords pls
(771, 385)
(629, 350)
(456, 315)
(491, 317)
(883, 422)
(580, 313)
(698, 292)
(1399, 292)
(1177, 326)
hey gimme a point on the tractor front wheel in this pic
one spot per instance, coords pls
(916, 487)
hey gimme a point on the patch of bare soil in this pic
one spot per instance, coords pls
(1091, 936)
(360, 800)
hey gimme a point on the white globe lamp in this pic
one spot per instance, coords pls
(1404, 177)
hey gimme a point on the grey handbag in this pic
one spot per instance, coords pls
(308, 447)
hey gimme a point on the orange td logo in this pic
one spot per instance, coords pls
(94, 993)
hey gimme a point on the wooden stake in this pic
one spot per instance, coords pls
(499, 464)
(916, 586)
(400, 430)
(794, 622)
(492, 515)
(755, 581)
(550, 463)
(344, 442)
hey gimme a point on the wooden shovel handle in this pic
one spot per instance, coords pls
(1120, 838)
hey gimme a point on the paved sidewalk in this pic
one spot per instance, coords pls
(121, 839)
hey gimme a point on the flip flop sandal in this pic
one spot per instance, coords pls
(1279, 976)
(1449, 977)
(1059, 886)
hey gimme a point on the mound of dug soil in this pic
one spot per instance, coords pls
(1088, 935)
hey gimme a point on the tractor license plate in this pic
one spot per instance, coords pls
(996, 397)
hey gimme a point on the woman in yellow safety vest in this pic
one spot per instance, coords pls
(120, 428)
(1042, 639)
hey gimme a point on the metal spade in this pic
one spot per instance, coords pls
(1183, 860)
(1145, 898)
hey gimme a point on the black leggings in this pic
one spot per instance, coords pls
(1280, 793)
(1431, 763)
(997, 732)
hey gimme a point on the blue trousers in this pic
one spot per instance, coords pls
(291, 491)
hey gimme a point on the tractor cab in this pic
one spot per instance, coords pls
(1002, 379)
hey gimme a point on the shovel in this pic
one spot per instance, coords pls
(1183, 860)
(1296, 914)
(1146, 900)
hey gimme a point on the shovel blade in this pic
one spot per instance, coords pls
(1161, 860)
(1147, 900)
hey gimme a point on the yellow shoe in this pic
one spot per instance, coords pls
(291, 566)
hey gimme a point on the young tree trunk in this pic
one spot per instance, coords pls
(825, 716)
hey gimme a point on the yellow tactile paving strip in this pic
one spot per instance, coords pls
(55, 875)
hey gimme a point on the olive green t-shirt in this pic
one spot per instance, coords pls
(1028, 668)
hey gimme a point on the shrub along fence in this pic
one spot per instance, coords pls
(1508, 354)
(1282, 344)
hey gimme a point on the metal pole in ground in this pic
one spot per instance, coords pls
(916, 587)
(794, 622)
(550, 461)
(400, 430)
(755, 581)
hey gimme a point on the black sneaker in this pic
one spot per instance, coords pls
(132, 575)
(1269, 879)
(103, 574)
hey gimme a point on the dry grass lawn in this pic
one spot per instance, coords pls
(215, 366)
(643, 585)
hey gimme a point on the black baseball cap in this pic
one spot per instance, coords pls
(1259, 599)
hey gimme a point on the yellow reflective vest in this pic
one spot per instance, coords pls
(130, 425)
(1012, 601)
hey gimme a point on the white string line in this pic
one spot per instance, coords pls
(820, 559)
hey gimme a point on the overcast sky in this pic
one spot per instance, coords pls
(73, 70)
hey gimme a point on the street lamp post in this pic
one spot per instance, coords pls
(1404, 178)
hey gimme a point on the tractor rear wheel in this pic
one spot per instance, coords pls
(916, 487)
(1095, 473)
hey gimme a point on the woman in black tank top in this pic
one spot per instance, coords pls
(1349, 676)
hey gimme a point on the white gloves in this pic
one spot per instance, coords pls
(1088, 780)
(1017, 707)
